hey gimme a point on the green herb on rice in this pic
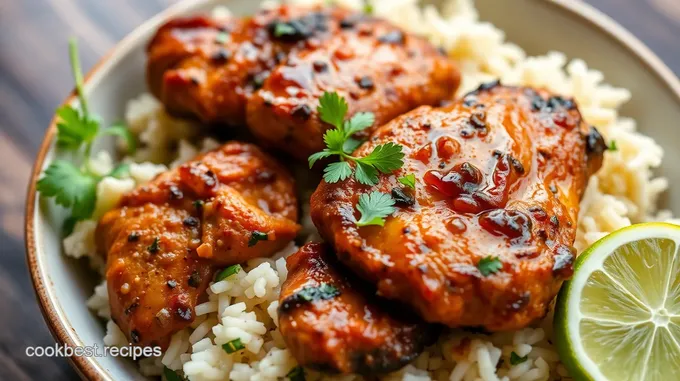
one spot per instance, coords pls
(171, 375)
(516, 359)
(296, 374)
(233, 346)
(226, 273)
(612, 146)
(71, 183)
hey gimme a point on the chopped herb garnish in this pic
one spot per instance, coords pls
(323, 292)
(72, 184)
(198, 204)
(613, 146)
(409, 180)
(516, 359)
(133, 237)
(256, 237)
(296, 374)
(155, 246)
(171, 375)
(489, 265)
(226, 273)
(222, 38)
(120, 130)
(368, 7)
(284, 29)
(233, 346)
(121, 171)
(384, 158)
(374, 207)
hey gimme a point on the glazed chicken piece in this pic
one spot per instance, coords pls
(332, 321)
(271, 69)
(485, 240)
(165, 239)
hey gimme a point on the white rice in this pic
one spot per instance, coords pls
(244, 305)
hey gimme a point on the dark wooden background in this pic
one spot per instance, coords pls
(35, 77)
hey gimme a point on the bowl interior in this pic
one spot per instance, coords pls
(538, 26)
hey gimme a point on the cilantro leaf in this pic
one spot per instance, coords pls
(332, 109)
(335, 140)
(121, 131)
(318, 156)
(385, 157)
(120, 171)
(74, 128)
(351, 144)
(516, 359)
(489, 265)
(408, 180)
(70, 187)
(359, 122)
(374, 207)
(366, 174)
(338, 171)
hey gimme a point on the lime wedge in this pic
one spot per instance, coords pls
(619, 317)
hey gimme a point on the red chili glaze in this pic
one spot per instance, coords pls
(332, 321)
(165, 239)
(500, 173)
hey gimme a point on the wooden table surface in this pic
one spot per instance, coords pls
(35, 77)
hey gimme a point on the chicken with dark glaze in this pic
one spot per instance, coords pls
(332, 321)
(269, 71)
(165, 238)
(485, 238)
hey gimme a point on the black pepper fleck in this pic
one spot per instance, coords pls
(302, 111)
(133, 237)
(366, 83)
(402, 198)
(134, 335)
(191, 221)
(194, 279)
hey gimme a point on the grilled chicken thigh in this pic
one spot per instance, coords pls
(165, 238)
(269, 71)
(332, 321)
(485, 240)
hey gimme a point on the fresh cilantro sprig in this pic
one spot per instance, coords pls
(72, 184)
(374, 207)
(408, 180)
(384, 158)
(489, 265)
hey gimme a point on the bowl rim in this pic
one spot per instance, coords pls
(88, 367)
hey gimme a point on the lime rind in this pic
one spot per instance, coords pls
(615, 334)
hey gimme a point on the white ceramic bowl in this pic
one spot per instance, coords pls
(63, 284)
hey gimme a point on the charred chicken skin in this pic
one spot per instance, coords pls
(332, 321)
(165, 238)
(268, 71)
(485, 240)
